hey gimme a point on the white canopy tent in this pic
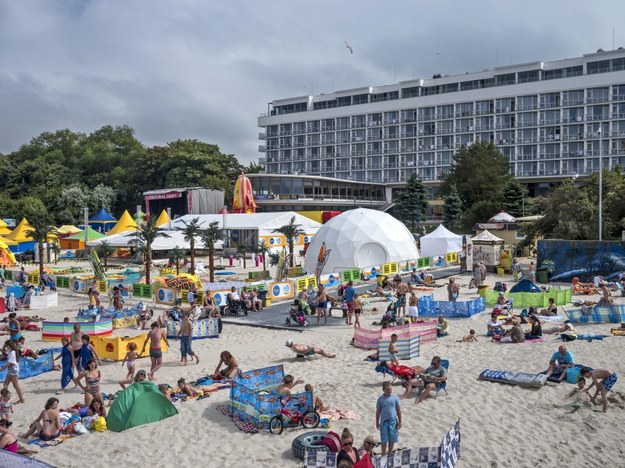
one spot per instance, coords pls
(440, 242)
(176, 239)
(361, 238)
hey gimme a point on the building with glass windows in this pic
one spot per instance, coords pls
(545, 118)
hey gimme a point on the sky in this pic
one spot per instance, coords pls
(206, 69)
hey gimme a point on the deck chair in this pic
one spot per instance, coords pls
(442, 385)
(309, 354)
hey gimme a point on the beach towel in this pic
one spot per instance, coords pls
(591, 336)
(45, 443)
(527, 340)
(513, 378)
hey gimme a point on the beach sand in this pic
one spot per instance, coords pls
(501, 425)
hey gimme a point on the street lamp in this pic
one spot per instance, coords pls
(600, 184)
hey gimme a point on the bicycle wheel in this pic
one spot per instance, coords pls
(276, 425)
(311, 420)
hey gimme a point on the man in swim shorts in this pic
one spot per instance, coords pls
(307, 349)
(604, 380)
(156, 355)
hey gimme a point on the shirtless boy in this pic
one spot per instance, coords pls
(156, 355)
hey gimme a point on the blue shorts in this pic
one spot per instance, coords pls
(609, 382)
(388, 431)
(185, 346)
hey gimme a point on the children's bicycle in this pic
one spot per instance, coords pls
(292, 418)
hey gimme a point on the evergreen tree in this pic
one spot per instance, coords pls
(411, 202)
(514, 195)
(453, 209)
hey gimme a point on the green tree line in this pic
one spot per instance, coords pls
(57, 174)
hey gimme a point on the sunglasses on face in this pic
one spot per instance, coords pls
(348, 443)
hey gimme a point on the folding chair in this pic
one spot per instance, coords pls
(442, 385)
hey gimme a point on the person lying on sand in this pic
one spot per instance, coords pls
(467, 339)
(304, 349)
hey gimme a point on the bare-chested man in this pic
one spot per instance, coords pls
(402, 289)
(156, 354)
(185, 332)
(303, 349)
(75, 340)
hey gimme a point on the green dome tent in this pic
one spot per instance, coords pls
(141, 403)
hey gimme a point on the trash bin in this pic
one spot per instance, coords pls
(542, 275)
(482, 290)
(262, 295)
(500, 270)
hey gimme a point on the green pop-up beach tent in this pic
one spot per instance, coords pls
(141, 403)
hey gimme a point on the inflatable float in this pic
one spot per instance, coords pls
(522, 379)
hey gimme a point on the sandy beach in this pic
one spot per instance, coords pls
(501, 425)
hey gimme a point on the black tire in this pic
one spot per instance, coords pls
(226, 311)
(220, 326)
(276, 425)
(311, 419)
(308, 442)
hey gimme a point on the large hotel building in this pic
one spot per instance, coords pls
(552, 120)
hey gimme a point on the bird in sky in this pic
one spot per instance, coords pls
(351, 51)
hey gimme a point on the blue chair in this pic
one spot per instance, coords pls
(442, 385)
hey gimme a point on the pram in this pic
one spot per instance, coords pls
(303, 306)
(390, 316)
(297, 317)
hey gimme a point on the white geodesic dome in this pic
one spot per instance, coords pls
(361, 238)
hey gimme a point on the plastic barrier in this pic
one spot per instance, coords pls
(249, 405)
(407, 345)
(79, 285)
(609, 314)
(166, 296)
(220, 297)
(204, 328)
(115, 348)
(62, 282)
(371, 272)
(390, 269)
(303, 283)
(54, 331)
(142, 290)
(44, 301)
(529, 299)
(330, 279)
(350, 275)
(369, 339)
(428, 307)
(282, 290)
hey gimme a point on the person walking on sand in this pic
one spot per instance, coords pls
(322, 303)
(388, 417)
(156, 354)
(402, 289)
(11, 350)
(453, 290)
(604, 380)
(185, 333)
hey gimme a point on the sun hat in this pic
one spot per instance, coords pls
(371, 439)
(288, 343)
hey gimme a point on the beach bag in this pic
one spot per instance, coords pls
(99, 424)
(573, 374)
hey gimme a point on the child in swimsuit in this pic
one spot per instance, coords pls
(6, 406)
(392, 349)
(129, 359)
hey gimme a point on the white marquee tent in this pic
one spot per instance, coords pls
(361, 238)
(175, 239)
(440, 242)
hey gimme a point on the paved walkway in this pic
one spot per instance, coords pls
(275, 316)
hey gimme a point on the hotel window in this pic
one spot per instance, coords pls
(551, 74)
(360, 99)
(503, 80)
(344, 101)
(602, 66)
(410, 92)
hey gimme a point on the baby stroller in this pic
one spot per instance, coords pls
(297, 317)
(234, 307)
(303, 306)
(390, 316)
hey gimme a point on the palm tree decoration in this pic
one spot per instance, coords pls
(41, 232)
(56, 249)
(262, 249)
(142, 240)
(175, 255)
(243, 249)
(210, 237)
(191, 231)
(290, 232)
(104, 250)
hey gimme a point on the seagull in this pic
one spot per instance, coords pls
(351, 51)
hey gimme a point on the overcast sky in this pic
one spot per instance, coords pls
(206, 69)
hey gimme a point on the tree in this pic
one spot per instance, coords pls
(175, 256)
(453, 209)
(411, 202)
(56, 249)
(514, 194)
(104, 250)
(40, 231)
(210, 236)
(143, 238)
(479, 172)
(243, 249)
(191, 231)
(262, 249)
(290, 232)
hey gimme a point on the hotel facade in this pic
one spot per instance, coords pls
(552, 120)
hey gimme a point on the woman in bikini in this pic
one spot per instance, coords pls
(50, 426)
(231, 364)
(8, 440)
(15, 330)
(96, 408)
(92, 382)
(11, 350)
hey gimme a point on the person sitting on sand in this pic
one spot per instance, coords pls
(288, 383)
(165, 390)
(495, 326)
(304, 349)
(536, 331)
(603, 380)
(8, 440)
(467, 339)
(231, 369)
(569, 333)
(560, 361)
(50, 426)
(442, 327)
(317, 402)
(514, 335)
(606, 295)
(581, 383)
(551, 310)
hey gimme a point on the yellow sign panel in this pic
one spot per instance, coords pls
(390, 268)
(451, 257)
(303, 283)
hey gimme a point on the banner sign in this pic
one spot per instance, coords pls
(166, 296)
(283, 290)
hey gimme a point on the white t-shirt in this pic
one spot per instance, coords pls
(12, 359)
